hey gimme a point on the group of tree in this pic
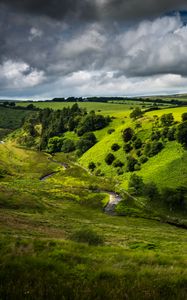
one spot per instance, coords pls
(53, 124)
(172, 198)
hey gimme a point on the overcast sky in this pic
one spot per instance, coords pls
(61, 48)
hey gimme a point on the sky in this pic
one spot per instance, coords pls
(81, 48)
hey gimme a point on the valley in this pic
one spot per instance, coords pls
(58, 240)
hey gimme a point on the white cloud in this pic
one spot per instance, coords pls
(19, 75)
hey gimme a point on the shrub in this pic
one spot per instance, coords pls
(137, 143)
(151, 191)
(174, 198)
(128, 147)
(127, 134)
(109, 158)
(115, 147)
(151, 149)
(110, 131)
(68, 146)
(167, 119)
(86, 235)
(85, 142)
(91, 166)
(184, 116)
(136, 113)
(171, 133)
(155, 136)
(136, 182)
(131, 162)
(181, 133)
(118, 163)
(143, 159)
(138, 152)
(55, 144)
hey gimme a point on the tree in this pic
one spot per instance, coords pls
(118, 163)
(167, 119)
(131, 162)
(86, 142)
(184, 116)
(127, 134)
(92, 166)
(137, 143)
(151, 191)
(128, 147)
(109, 158)
(115, 147)
(181, 134)
(136, 182)
(68, 146)
(136, 113)
(55, 144)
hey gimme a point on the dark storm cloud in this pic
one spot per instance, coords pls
(48, 48)
(58, 9)
(97, 9)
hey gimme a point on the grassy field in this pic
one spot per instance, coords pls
(44, 256)
(12, 118)
(104, 108)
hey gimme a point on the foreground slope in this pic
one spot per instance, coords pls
(57, 243)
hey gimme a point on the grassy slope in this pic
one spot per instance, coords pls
(140, 259)
(168, 168)
(12, 118)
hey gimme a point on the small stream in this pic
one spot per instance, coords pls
(114, 198)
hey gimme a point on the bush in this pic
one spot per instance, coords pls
(138, 152)
(184, 116)
(131, 162)
(91, 166)
(136, 113)
(85, 142)
(151, 149)
(127, 134)
(143, 159)
(151, 191)
(110, 131)
(155, 136)
(118, 163)
(86, 235)
(181, 133)
(171, 133)
(136, 182)
(115, 147)
(55, 144)
(174, 198)
(109, 158)
(128, 147)
(68, 146)
(137, 143)
(167, 119)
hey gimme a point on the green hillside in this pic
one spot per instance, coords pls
(169, 164)
(56, 241)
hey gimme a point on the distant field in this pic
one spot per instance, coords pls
(169, 98)
(105, 108)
